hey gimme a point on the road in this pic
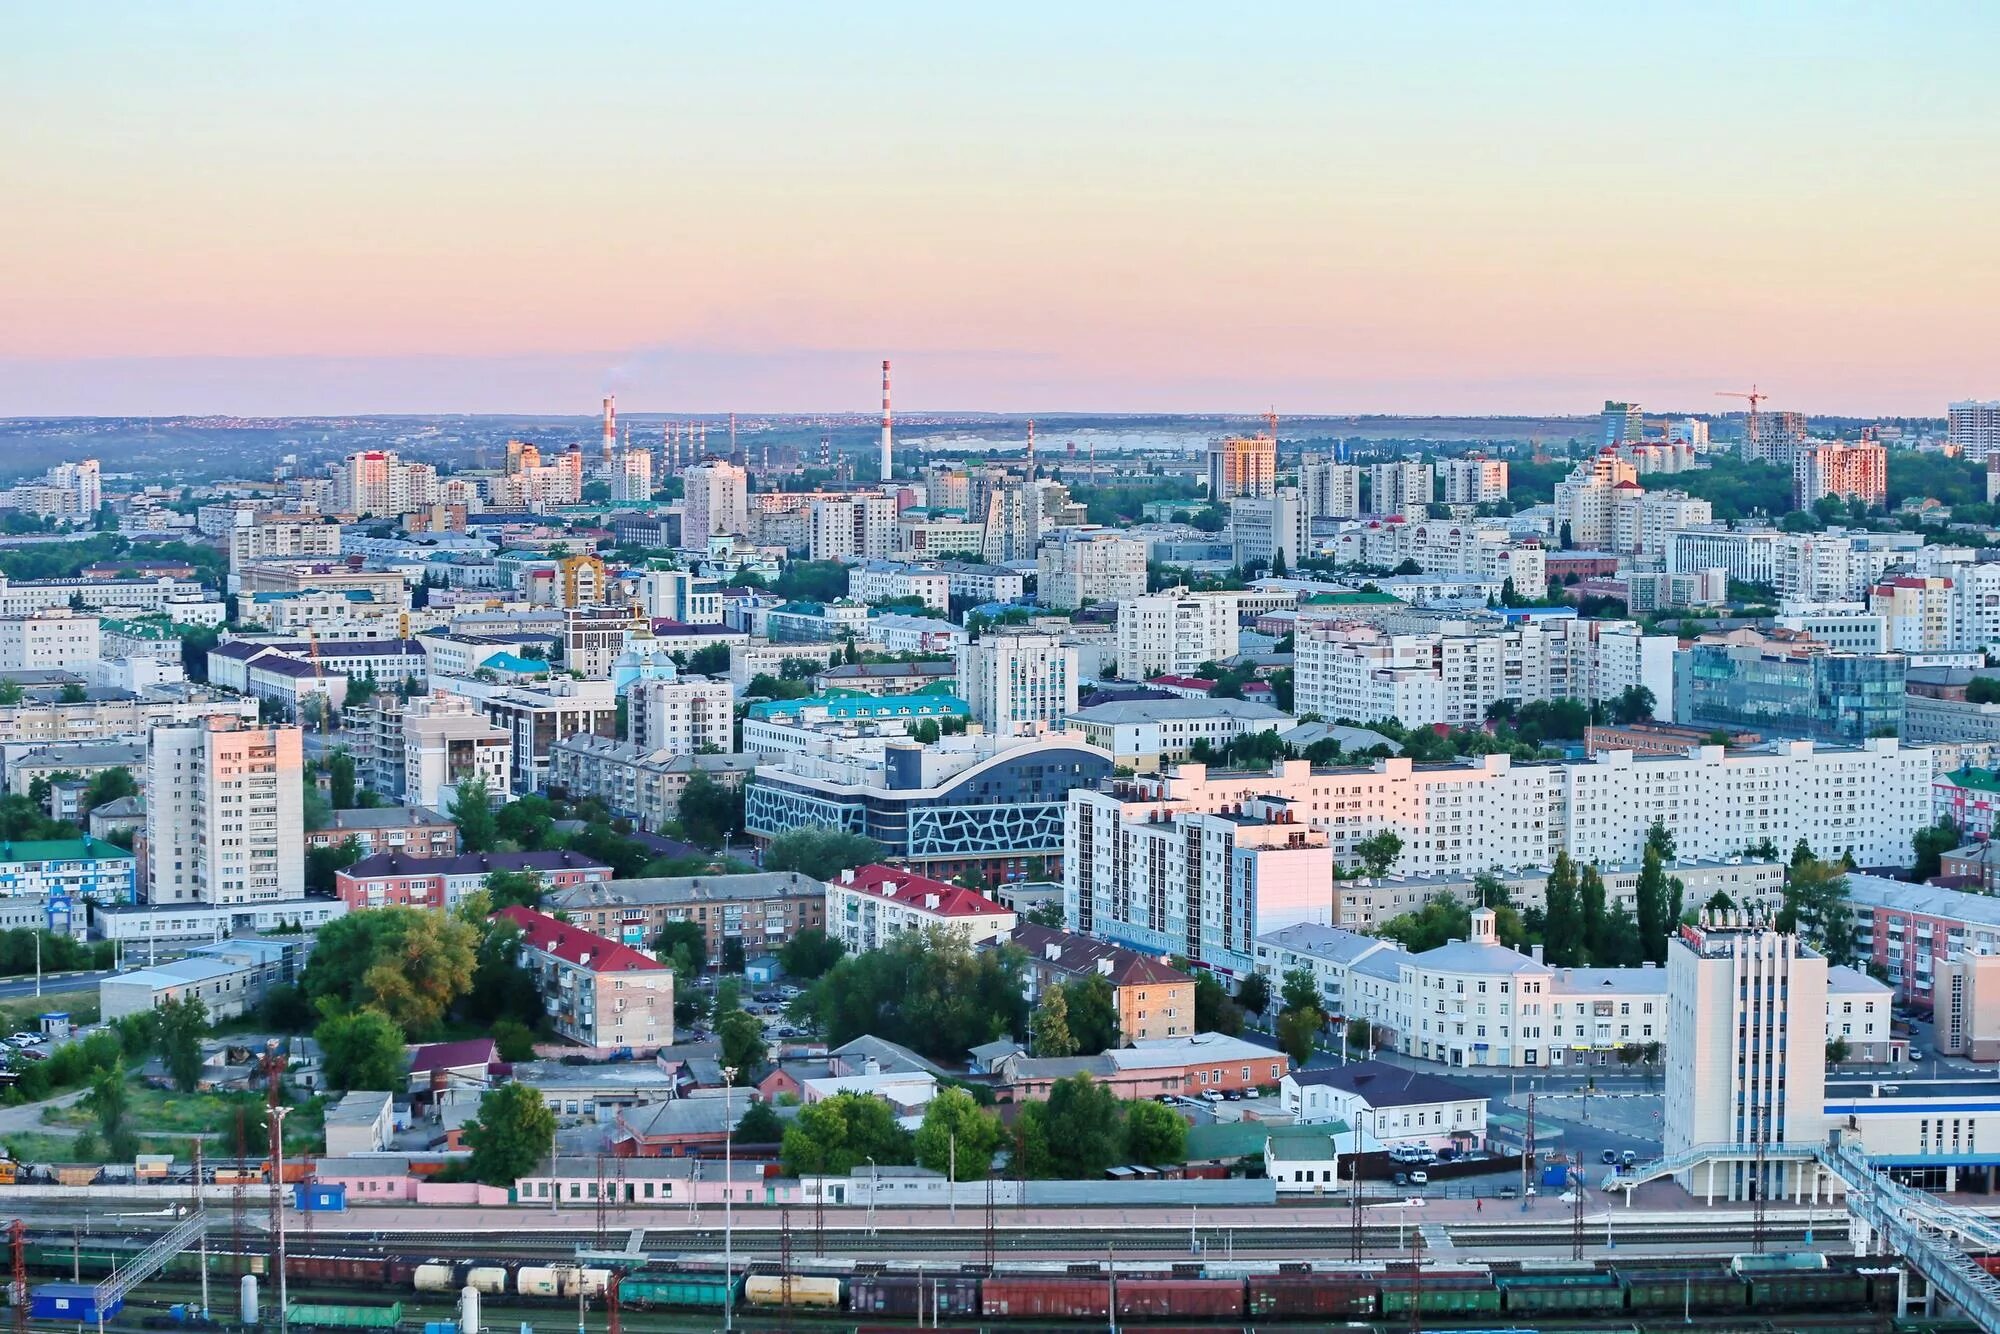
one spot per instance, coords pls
(53, 984)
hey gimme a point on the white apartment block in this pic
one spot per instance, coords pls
(1837, 566)
(1736, 1073)
(1642, 522)
(57, 639)
(81, 484)
(1143, 734)
(1849, 626)
(1079, 568)
(257, 537)
(715, 502)
(868, 908)
(1974, 428)
(1350, 671)
(1167, 878)
(378, 482)
(1748, 554)
(920, 538)
(632, 476)
(880, 581)
(854, 528)
(677, 595)
(448, 741)
(1472, 480)
(1173, 632)
(224, 819)
(1480, 550)
(1399, 488)
(1016, 682)
(983, 583)
(1583, 500)
(1013, 519)
(536, 717)
(683, 717)
(1330, 490)
(1264, 528)
(1689, 431)
(1916, 613)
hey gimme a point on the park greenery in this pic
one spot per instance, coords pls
(930, 991)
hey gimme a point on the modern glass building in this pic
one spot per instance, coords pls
(1790, 690)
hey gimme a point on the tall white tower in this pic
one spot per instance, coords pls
(888, 457)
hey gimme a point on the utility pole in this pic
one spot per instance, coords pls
(278, 1208)
(1528, 1156)
(729, 1199)
(951, 1177)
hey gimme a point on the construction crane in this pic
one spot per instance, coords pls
(1750, 427)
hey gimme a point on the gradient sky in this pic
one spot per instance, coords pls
(273, 208)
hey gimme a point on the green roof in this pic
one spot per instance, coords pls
(1350, 599)
(1245, 1139)
(62, 850)
(1985, 780)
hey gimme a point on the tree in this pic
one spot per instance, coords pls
(929, 990)
(1093, 1013)
(1837, 1051)
(472, 811)
(181, 1025)
(734, 958)
(1298, 1031)
(1590, 904)
(709, 812)
(675, 936)
(835, 1135)
(108, 1100)
(1933, 842)
(1214, 1012)
(513, 1040)
(1378, 852)
(1562, 932)
(72, 693)
(1661, 840)
(1050, 1034)
(362, 1050)
(514, 889)
(1815, 906)
(528, 822)
(1081, 1119)
(340, 773)
(407, 962)
(1635, 704)
(1983, 690)
(1300, 990)
(1651, 893)
(760, 1124)
(820, 853)
(742, 1037)
(323, 863)
(809, 953)
(1253, 993)
(511, 1135)
(1155, 1135)
(109, 785)
(954, 1114)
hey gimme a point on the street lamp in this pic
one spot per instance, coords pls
(278, 1166)
(729, 1197)
(874, 1182)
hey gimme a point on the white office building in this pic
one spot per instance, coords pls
(1017, 682)
(448, 741)
(1268, 529)
(1173, 632)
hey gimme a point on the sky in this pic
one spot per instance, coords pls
(261, 208)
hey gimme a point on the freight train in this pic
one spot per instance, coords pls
(1762, 1287)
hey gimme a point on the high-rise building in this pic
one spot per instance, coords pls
(378, 482)
(632, 476)
(1689, 431)
(717, 502)
(1175, 631)
(1330, 490)
(1268, 529)
(225, 814)
(851, 527)
(1974, 428)
(1244, 465)
(1013, 524)
(1773, 437)
(1837, 468)
(1736, 1072)
(1623, 422)
(264, 537)
(684, 717)
(1017, 681)
(82, 486)
(448, 741)
(1472, 480)
(1789, 688)
(1399, 488)
(1585, 500)
(1081, 567)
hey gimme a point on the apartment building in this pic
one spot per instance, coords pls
(178, 705)
(1584, 501)
(715, 502)
(224, 814)
(255, 538)
(1915, 613)
(761, 911)
(869, 907)
(599, 993)
(983, 583)
(1477, 549)
(413, 831)
(1144, 734)
(1472, 480)
(1330, 490)
(1241, 466)
(681, 597)
(55, 639)
(1847, 470)
(643, 786)
(447, 740)
(1018, 681)
(682, 717)
(1973, 428)
(400, 880)
(929, 539)
(881, 581)
(1151, 999)
(1078, 568)
(1399, 488)
(1173, 632)
(536, 717)
(1274, 530)
(855, 527)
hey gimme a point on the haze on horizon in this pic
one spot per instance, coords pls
(1450, 208)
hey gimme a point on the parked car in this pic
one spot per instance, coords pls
(24, 1039)
(1233, 1095)
(1609, 1157)
(1211, 1095)
(1628, 1158)
(1447, 1155)
(1420, 1178)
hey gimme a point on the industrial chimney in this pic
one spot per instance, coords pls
(888, 457)
(610, 426)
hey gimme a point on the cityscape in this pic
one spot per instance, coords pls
(792, 701)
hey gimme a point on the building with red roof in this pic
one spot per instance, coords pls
(868, 907)
(599, 993)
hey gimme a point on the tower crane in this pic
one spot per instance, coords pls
(1751, 437)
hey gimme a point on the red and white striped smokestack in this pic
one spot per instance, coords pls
(610, 426)
(1031, 449)
(888, 452)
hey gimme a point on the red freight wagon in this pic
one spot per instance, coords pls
(1311, 1295)
(1143, 1297)
(1077, 1298)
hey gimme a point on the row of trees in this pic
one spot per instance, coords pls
(930, 991)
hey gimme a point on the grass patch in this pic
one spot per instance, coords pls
(158, 1110)
(22, 1012)
(35, 1147)
(173, 1121)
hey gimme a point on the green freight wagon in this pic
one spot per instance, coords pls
(314, 1316)
(1694, 1291)
(1563, 1294)
(685, 1291)
(1439, 1295)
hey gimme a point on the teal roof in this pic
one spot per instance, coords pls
(1984, 780)
(511, 662)
(62, 850)
(855, 707)
(1245, 1139)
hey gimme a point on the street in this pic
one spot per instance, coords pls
(53, 983)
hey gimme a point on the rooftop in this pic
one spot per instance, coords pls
(386, 817)
(1127, 712)
(481, 1052)
(1380, 1084)
(575, 946)
(1080, 954)
(936, 896)
(688, 889)
(63, 850)
(470, 863)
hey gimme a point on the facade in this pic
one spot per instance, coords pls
(1911, 931)
(1274, 530)
(868, 908)
(1847, 471)
(762, 911)
(990, 805)
(643, 786)
(255, 538)
(684, 717)
(398, 880)
(1472, 480)
(1584, 501)
(1967, 1010)
(1623, 423)
(229, 977)
(56, 639)
(446, 741)
(880, 581)
(677, 595)
(1241, 466)
(715, 504)
(1973, 428)
(1078, 569)
(224, 818)
(536, 717)
(413, 831)
(1174, 632)
(1788, 688)
(1736, 1073)
(773, 728)
(1177, 1066)
(1330, 490)
(67, 873)
(1479, 550)
(854, 527)
(1152, 1000)
(1399, 488)
(1142, 735)
(1392, 1107)
(599, 993)
(1018, 682)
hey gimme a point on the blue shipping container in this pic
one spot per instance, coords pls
(440, 1327)
(70, 1301)
(317, 1198)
